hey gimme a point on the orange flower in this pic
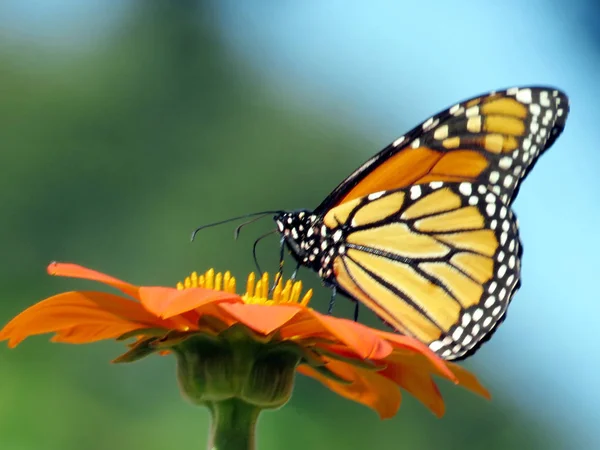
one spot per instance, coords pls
(360, 363)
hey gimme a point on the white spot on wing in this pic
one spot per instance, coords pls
(457, 333)
(505, 162)
(454, 109)
(441, 133)
(466, 319)
(415, 192)
(465, 189)
(524, 96)
(535, 109)
(398, 141)
(501, 271)
(472, 111)
(435, 346)
(375, 195)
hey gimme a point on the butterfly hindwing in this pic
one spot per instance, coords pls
(493, 139)
(437, 261)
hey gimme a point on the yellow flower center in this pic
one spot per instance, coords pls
(257, 291)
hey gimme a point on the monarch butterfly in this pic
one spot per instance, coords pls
(423, 233)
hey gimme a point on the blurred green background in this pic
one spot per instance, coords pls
(112, 154)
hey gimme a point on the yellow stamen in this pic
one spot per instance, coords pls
(231, 286)
(306, 297)
(218, 281)
(257, 291)
(209, 279)
(285, 294)
(226, 279)
(277, 291)
(265, 280)
(250, 284)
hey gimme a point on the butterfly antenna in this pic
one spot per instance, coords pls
(236, 233)
(260, 238)
(233, 219)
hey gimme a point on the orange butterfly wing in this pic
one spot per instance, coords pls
(438, 261)
(494, 139)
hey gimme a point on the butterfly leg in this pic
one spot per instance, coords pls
(280, 270)
(356, 305)
(332, 300)
(295, 273)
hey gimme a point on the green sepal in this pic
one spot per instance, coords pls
(171, 339)
(150, 332)
(138, 351)
(239, 331)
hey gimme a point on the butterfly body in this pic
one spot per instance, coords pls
(423, 232)
(301, 231)
(311, 242)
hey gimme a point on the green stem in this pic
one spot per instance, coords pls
(233, 425)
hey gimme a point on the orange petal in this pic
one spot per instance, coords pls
(90, 332)
(75, 310)
(359, 338)
(76, 271)
(263, 319)
(366, 387)
(418, 383)
(167, 302)
(469, 381)
(407, 347)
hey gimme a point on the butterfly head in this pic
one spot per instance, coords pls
(298, 230)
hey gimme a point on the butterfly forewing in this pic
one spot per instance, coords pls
(493, 139)
(438, 261)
